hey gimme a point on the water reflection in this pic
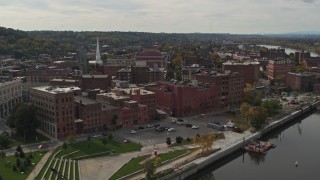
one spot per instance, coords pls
(256, 158)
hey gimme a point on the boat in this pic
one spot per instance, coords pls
(260, 147)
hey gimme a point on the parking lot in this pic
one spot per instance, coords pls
(148, 136)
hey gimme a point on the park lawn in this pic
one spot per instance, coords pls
(129, 168)
(96, 146)
(134, 166)
(77, 170)
(171, 155)
(40, 174)
(6, 169)
(20, 141)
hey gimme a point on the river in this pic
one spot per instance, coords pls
(288, 50)
(297, 142)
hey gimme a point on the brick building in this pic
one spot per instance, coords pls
(250, 70)
(277, 69)
(95, 116)
(55, 109)
(273, 53)
(137, 105)
(140, 74)
(230, 86)
(300, 81)
(183, 100)
(150, 57)
(95, 82)
(110, 69)
(43, 76)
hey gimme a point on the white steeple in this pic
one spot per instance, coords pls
(98, 57)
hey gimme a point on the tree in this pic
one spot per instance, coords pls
(104, 141)
(21, 154)
(14, 168)
(259, 118)
(150, 170)
(71, 139)
(23, 118)
(64, 145)
(110, 137)
(204, 141)
(18, 163)
(179, 139)
(246, 110)
(89, 138)
(4, 141)
(22, 168)
(168, 141)
(2, 154)
(19, 148)
(30, 156)
(272, 106)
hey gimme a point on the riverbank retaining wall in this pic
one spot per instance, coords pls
(201, 163)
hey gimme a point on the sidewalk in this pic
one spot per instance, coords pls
(39, 166)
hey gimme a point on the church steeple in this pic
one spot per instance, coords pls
(98, 57)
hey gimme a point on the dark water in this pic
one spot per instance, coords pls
(297, 142)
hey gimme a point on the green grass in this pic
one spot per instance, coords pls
(77, 170)
(71, 170)
(20, 141)
(45, 166)
(134, 166)
(6, 168)
(171, 155)
(130, 167)
(96, 146)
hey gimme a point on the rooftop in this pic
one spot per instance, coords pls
(57, 90)
(84, 100)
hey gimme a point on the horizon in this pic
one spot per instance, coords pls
(168, 16)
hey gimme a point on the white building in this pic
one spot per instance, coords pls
(10, 95)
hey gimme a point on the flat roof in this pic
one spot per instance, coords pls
(57, 90)
(85, 100)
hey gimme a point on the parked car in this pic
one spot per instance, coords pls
(173, 121)
(133, 131)
(149, 125)
(160, 129)
(140, 127)
(189, 125)
(171, 129)
(43, 146)
(195, 127)
(126, 141)
(96, 135)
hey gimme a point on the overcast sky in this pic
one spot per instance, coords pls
(178, 16)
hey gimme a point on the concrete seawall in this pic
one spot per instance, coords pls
(201, 163)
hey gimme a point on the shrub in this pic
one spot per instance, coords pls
(22, 168)
(110, 137)
(179, 139)
(188, 139)
(21, 154)
(14, 168)
(168, 141)
(19, 148)
(30, 156)
(18, 163)
(64, 146)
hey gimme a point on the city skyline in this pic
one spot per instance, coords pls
(174, 16)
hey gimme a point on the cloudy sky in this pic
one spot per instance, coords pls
(180, 16)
